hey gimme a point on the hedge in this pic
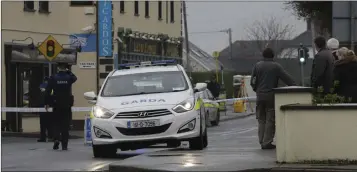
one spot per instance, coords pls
(227, 75)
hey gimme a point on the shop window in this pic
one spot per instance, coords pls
(172, 11)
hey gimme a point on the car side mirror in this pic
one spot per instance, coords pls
(90, 95)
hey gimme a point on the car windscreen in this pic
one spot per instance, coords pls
(144, 83)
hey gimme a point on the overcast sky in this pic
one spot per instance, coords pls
(212, 16)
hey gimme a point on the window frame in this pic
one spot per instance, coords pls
(159, 8)
(147, 9)
(122, 7)
(41, 9)
(81, 3)
(136, 8)
(172, 11)
(27, 9)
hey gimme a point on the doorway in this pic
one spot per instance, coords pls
(24, 90)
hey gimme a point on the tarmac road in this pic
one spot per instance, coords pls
(25, 154)
(233, 146)
(230, 137)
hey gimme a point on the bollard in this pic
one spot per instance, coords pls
(87, 130)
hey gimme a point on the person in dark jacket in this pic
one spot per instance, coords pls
(45, 117)
(345, 73)
(214, 87)
(264, 79)
(61, 84)
(322, 67)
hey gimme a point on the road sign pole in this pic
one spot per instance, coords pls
(302, 74)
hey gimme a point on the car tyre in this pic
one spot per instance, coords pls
(200, 142)
(104, 151)
(218, 118)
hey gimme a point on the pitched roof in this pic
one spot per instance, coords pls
(201, 57)
(247, 49)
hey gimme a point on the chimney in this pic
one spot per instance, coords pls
(308, 24)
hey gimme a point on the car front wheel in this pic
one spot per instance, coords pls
(200, 142)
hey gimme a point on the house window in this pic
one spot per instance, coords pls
(136, 8)
(82, 3)
(29, 6)
(160, 10)
(122, 7)
(43, 6)
(147, 9)
(172, 11)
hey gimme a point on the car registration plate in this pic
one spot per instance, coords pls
(143, 124)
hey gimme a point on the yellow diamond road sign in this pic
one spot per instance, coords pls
(50, 48)
(215, 54)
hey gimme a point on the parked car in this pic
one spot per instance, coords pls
(211, 108)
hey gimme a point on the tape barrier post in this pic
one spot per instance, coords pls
(87, 130)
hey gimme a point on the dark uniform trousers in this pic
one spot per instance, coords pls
(266, 118)
(46, 125)
(61, 122)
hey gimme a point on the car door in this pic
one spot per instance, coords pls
(214, 105)
(208, 104)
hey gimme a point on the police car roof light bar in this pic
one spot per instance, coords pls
(146, 64)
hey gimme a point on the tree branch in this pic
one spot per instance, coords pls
(269, 32)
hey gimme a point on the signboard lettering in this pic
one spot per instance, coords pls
(105, 27)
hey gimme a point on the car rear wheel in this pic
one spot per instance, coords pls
(104, 151)
(216, 121)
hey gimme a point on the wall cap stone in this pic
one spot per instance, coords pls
(294, 89)
(339, 106)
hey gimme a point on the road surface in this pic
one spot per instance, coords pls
(231, 139)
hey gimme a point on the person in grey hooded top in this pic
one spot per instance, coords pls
(265, 77)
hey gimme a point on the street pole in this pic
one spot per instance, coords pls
(230, 43)
(97, 47)
(352, 30)
(302, 74)
(188, 66)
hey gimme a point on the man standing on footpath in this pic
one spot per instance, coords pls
(61, 84)
(322, 67)
(265, 77)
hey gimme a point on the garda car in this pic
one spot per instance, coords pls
(211, 107)
(149, 103)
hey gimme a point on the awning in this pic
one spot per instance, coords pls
(31, 57)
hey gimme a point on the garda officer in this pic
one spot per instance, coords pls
(61, 84)
(45, 118)
(214, 87)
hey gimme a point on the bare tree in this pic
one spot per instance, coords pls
(271, 32)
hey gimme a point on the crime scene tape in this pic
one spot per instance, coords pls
(26, 109)
(87, 109)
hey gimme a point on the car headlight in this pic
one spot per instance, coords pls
(100, 112)
(184, 106)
